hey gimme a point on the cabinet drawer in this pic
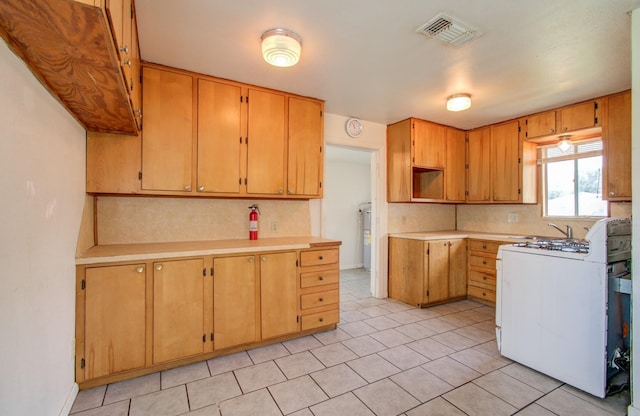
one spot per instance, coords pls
(483, 262)
(482, 293)
(322, 277)
(484, 246)
(320, 319)
(314, 300)
(317, 257)
(482, 279)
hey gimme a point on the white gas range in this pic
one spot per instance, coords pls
(552, 302)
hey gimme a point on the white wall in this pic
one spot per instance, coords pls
(634, 409)
(346, 186)
(42, 162)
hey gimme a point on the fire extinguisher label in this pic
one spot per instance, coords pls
(253, 225)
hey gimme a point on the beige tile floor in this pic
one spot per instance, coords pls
(385, 358)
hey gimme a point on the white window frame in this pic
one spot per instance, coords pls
(571, 154)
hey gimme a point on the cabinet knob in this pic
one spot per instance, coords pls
(290, 191)
(250, 259)
(484, 246)
(320, 257)
(321, 300)
(200, 188)
(484, 262)
(127, 62)
(124, 49)
(321, 319)
(565, 128)
(280, 191)
(264, 258)
(484, 277)
(139, 269)
(612, 193)
(187, 188)
(320, 277)
(552, 130)
(159, 267)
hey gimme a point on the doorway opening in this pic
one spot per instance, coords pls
(349, 210)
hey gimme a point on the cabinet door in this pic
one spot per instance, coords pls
(304, 172)
(167, 137)
(455, 171)
(135, 86)
(399, 172)
(618, 148)
(430, 144)
(438, 275)
(113, 163)
(266, 143)
(219, 137)
(119, 12)
(235, 301)
(178, 309)
(505, 166)
(478, 174)
(114, 319)
(278, 296)
(543, 124)
(457, 268)
(579, 116)
(408, 264)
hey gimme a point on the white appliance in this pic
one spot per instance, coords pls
(551, 304)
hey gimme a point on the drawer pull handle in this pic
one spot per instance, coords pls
(484, 294)
(321, 319)
(320, 277)
(158, 267)
(484, 246)
(484, 277)
(139, 269)
(320, 257)
(321, 300)
(484, 262)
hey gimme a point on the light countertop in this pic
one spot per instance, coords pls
(152, 251)
(445, 235)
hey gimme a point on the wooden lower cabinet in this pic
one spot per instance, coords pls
(319, 294)
(114, 320)
(426, 272)
(138, 318)
(235, 301)
(482, 270)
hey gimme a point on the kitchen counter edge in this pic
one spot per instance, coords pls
(151, 251)
(451, 234)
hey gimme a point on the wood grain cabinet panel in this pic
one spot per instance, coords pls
(455, 173)
(617, 148)
(479, 165)
(423, 273)
(319, 290)
(579, 116)
(114, 329)
(220, 166)
(305, 147)
(178, 305)
(540, 125)
(236, 300)
(279, 296)
(167, 137)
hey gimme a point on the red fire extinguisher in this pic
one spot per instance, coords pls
(253, 222)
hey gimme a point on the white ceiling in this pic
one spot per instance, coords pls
(364, 58)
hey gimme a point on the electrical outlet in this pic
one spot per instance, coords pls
(274, 227)
(512, 217)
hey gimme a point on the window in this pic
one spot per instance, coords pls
(572, 180)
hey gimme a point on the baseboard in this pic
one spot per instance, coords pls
(68, 403)
(633, 411)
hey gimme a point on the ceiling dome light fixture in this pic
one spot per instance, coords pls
(281, 47)
(458, 102)
(564, 143)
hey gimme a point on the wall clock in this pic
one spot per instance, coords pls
(353, 127)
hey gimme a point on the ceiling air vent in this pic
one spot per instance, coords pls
(450, 31)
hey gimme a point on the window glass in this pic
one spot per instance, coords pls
(573, 180)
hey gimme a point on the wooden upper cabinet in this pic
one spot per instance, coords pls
(478, 161)
(399, 166)
(167, 138)
(617, 148)
(236, 300)
(113, 163)
(120, 13)
(505, 162)
(429, 144)
(68, 46)
(542, 124)
(278, 294)
(178, 305)
(114, 330)
(219, 137)
(455, 172)
(305, 145)
(266, 150)
(578, 116)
